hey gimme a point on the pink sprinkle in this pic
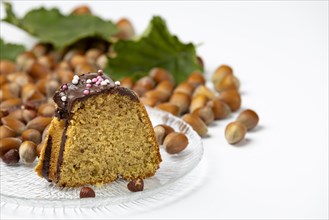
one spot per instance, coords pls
(64, 87)
(98, 82)
(85, 92)
(88, 85)
(101, 79)
(94, 80)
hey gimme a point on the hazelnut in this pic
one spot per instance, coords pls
(92, 54)
(196, 78)
(9, 143)
(160, 74)
(145, 82)
(165, 86)
(249, 118)
(77, 59)
(9, 91)
(235, 132)
(11, 157)
(32, 135)
(3, 80)
(18, 114)
(63, 65)
(127, 82)
(28, 114)
(87, 192)
(196, 123)
(126, 29)
(39, 123)
(158, 95)
(198, 101)
(45, 132)
(65, 76)
(169, 107)
(30, 92)
(161, 131)
(185, 87)
(85, 68)
(149, 101)
(175, 142)
(14, 124)
(221, 109)
(10, 103)
(203, 90)
(220, 73)
(205, 113)
(228, 82)
(38, 71)
(47, 61)
(6, 67)
(25, 60)
(136, 185)
(200, 61)
(40, 49)
(101, 61)
(231, 98)
(39, 148)
(51, 87)
(6, 131)
(182, 100)
(27, 152)
(20, 78)
(47, 110)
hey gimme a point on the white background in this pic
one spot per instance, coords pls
(279, 51)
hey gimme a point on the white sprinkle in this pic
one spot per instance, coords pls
(117, 83)
(88, 81)
(63, 98)
(75, 81)
(75, 77)
(107, 80)
(103, 83)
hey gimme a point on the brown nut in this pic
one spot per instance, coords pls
(92, 54)
(65, 76)
(126, 29)
(45, 132)
(51, 87)
(6, 67)
(232, 98)
(21, 78)
(228, 82)
(39, 148)
(182, 100)
(46, 110)
(169, 107)
(9, 91)
(77, 59)
(160, 74)
(235, 132)
(185, 87)
(38, 71)
(28, 114)
(81, 10)
(63, 65)
(101, 61)
(39, 123)
(127, 82)
(25, 60)
(30, 92)
(203, 90)
(47, 61)
(27, 152)
(158, 95)
(18, 114)
(221, 109)
(175, 142)
(87, 192)
(85, 68)
(6, 131)
(165, 86)
(14, 124)
(149, 101)
(205, 113)
(3, 80)
(9, 143)
(11, 157)
(136, 185)
(161, 131)
(145, 82)
(196, 123)
(10, 103)
(249, 118)
(198, 101)
(220, 73)
(40, 49)
(196, 78)
(32, 135)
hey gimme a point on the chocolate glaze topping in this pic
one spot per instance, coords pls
(80, 89)
(78, 92)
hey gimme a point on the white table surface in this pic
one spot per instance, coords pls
(279, 51)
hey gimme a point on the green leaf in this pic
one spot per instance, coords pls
(10, 51)
(155, 48)
(50, 26)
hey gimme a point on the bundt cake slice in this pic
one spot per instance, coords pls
(101, 131)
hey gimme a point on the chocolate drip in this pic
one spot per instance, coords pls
(61, 152)
(46, 162)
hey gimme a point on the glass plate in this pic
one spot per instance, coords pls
(20, 185)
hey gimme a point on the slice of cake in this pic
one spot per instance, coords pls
(101, 131)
